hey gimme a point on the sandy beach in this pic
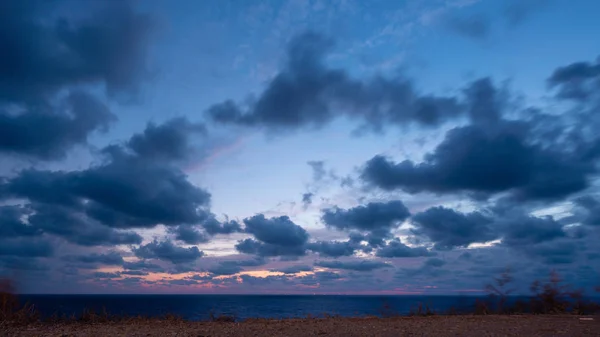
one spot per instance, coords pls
(400, 326)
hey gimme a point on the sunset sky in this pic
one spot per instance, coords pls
(298, 146)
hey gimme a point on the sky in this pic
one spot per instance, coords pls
(298, 146)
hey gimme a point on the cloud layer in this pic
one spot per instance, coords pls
(516, 184)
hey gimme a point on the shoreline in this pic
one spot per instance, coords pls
(436, 325)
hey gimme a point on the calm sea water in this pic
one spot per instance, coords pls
(199, 307)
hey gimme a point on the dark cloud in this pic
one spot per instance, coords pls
(318, 168)
(579, 81)
(234, 267)
(529, 230)
(307, 199)
(134, 272)
(142, 265)
(225, 269)
(320, 277)
(25, 247)
(12, 225)
(75, 228)
(434, 262)
(111, 258)
(364, 265)
(588, 210)
(43, 56)
(167, 251)
(48, 132)
(396, 248)
(555, 252)
(259, 281)
(126, 190)
(491, 156)
(306, 94)
(294, 269)
(149, 193)
(449, 229)
(250, 246)
(426, 273)
(168, 141)
(182, 282)
(189, 234)
(332, 248)
(212, 226)
(465, 255)
(377, 218)
(100, 274)
(277, 231)
(24, 263)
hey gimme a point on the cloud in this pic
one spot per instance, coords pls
(189, 235)
(11, 224)
(100, 274)
(279, 231)
(250, 246)
(555, 252)
(529, 230)
(167, 251)
(134, 273)
(71, 226)
(109, 259)
(294, 269)
(449, 229)
(318, 168)
(234, 267)
(307, 199)
(377, 218)
(434, 262)
(306, 94)
(319, 278)
(588, 210)
(25, 247)
(168, 141)
(48, 132)
(577, 81)
(225, 269)
(332, 248)
(212, 226)
(396, 248)
(126, 190)
(44, 57)
(142, 265)
(491, 156)
(364, 265)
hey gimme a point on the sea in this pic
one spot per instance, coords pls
(200, 307)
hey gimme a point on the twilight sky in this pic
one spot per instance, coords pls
(298, 146)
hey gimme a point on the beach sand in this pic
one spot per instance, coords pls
(399, 326)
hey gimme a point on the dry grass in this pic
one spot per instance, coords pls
(463, 325)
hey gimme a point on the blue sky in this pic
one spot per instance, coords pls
(272, 178)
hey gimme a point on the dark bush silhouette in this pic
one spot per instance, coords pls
(549, 297)
(499, 290)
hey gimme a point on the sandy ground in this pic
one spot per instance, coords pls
(402, 326)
